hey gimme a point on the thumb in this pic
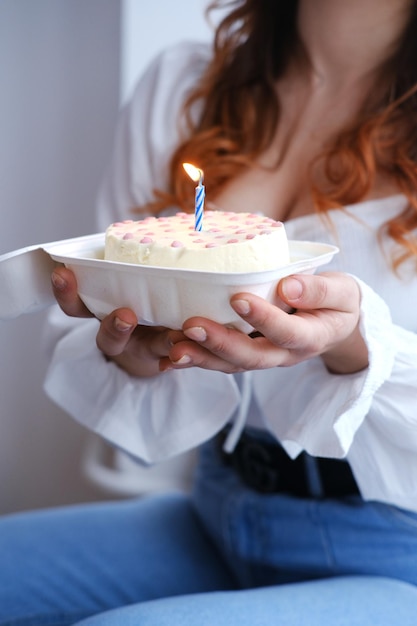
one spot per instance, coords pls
(291, 290)
(322, 291)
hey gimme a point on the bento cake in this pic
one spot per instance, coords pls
(228, 242)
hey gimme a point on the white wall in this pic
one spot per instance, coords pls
(149, 26)
(59, 81)
(65, 65)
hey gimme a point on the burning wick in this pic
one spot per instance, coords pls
(197, 175)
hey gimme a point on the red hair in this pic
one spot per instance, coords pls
(251, 48)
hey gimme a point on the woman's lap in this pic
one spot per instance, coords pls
(344, 601)
(61, 565)
(154, 557)
(275, 539)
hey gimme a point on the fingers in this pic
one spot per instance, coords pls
(64, 286)
(327, 313)
(119, 333)
(139, 350)
(271, 321)
(211, 346)
(115, 331)
(323, 291)
(214, 346)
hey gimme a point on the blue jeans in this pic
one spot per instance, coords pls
(225, 556)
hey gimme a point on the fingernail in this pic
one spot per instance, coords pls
(196, 333)
(121, 326)
(241, 306)
(184, 360)
(58, 282)
(292, 289)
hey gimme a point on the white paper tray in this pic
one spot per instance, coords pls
(159, 296)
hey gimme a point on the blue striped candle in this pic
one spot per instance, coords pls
(199, 205)
(197, 175)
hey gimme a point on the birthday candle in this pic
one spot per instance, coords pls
(197, 175)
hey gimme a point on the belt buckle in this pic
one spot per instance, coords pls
(255, 464)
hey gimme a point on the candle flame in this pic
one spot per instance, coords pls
(193, 172)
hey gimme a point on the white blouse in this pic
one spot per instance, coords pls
(369, 417)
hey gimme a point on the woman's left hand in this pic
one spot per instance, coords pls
(326, 323)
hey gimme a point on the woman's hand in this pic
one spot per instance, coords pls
(325, 323)
(136, 349)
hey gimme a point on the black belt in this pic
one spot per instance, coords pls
(265, 467)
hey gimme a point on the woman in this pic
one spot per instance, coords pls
(306, 111)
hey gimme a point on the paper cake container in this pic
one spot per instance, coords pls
(159, 296)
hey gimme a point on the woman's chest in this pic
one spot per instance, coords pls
(280, 186)
(281, 194)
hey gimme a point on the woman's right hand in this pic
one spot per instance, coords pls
(139, 350)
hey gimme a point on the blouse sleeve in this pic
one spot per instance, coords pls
(369, 418)
(152, 419)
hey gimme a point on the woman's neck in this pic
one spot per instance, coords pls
(346, 41)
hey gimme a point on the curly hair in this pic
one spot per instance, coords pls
(252, 45)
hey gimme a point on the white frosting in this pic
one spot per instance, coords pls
(228, 242)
